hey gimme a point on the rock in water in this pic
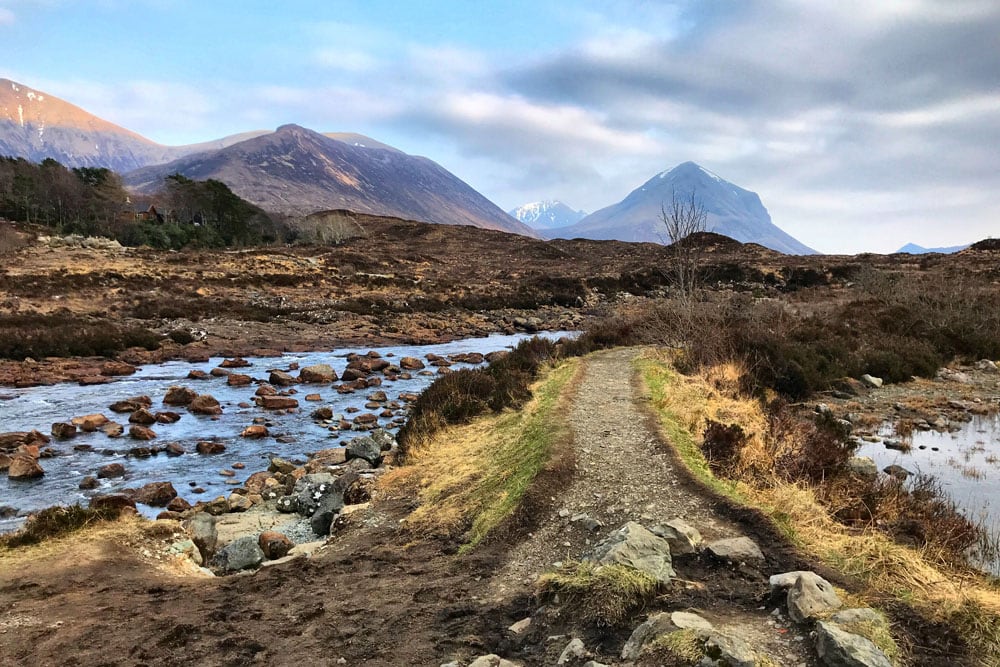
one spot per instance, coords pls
(635, 547)
(156, 494)
(318, 374)
(205, 405)
(24, 467)
(63, 430)
(179, 396)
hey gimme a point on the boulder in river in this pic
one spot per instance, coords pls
(281, 379)
(177, 395)
(239, 380)
(111, 471)
(210, 447)
(142, 416)
(156, 494)
(89, 423)
(318, 374)
(204, 404)
(278, 402)
(63, 430)
(24, 467)
(131, 404)
(138, 432)
(411, 363)
(255, 432)
(116, 368)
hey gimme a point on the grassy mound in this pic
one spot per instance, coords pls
(600, 594)
(475, 480)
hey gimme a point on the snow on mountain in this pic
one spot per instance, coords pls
(549, 214)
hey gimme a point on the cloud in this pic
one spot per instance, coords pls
(6, 17)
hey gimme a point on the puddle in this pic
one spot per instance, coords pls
(965, 462)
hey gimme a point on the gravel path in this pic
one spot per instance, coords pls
(622, 474)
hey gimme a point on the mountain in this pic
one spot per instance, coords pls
(296, 171)
(546, 214)
(36, 125)
(914, 249)
(732, 211)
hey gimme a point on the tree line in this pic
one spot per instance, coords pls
(92, 201)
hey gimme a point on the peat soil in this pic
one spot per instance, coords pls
(403, 282)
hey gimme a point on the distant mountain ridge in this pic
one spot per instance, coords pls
(914, 249)
(35, 125)
(732, 211)
(547, 214)
(297, 171)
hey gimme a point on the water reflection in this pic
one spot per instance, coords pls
(966, 463)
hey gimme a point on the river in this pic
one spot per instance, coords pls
(292, 435)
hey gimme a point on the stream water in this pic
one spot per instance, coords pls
(293, 436)
(965, 462)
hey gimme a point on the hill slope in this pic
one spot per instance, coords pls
(297, 171)
(732, 211)
(914, 249)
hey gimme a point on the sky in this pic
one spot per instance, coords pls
(862, 125)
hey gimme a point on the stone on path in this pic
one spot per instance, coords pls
(685, 620)
(575, 651)
(682, 537)
(736, 549)
(811, 597)
(491, 660)
(730, 651)
(838, 648)
(655, 626)
(635, 547)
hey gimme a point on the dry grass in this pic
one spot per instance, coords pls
(602, 594)
(54, 522)
(890, 571)
(472, 478)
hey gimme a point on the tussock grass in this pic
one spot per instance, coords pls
(890, 571)
(602, 594)
(54, 522)
(683, 647)
(473, 479)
